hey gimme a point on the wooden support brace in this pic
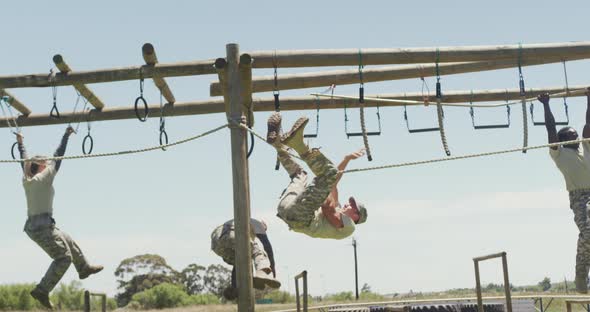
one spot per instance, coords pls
(109, 75)
(346, 77)
(14, 102)
(289, 104)
(84, 91)
(149, 55)
(350, 57)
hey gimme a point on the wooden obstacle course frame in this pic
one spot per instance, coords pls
(508, 297)
(236, 85)
(303, 276)
(88, 294)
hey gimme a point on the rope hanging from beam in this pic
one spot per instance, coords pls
(362, 108)
(137, 151)
(439, 110)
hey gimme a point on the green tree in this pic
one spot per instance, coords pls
(366, 288)
(143, 272)
(217, 277)
(193, 279)
(545, 284)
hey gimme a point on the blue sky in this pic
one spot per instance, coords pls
(425, 223)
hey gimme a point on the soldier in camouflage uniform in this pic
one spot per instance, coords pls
(313, 208)
(40, 226)
(574, 164)
(223, 244)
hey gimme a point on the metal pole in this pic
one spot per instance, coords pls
(356, 271)
(305, 295)
(297, 294)
(241, 188)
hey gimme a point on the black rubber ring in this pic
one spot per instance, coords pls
(86, 138)
(164, 135)
(12, 150)
(251, 149)
(145, 109)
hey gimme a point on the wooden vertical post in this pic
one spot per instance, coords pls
(241, 185)
(506, 283)
(478, 286)
(86, 301)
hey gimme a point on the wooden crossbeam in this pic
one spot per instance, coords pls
(346, 77)
(14, 102)
(287, 104)
(109, 75)
(149, 55)
(84, 91)
(352, 57)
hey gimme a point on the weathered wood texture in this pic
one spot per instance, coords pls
(346, 77)
(84, 91)
(14, 102)
(287, 104)
(109, 75)
(246, 77)
(149, 55)
(241, 183)
(350, 57)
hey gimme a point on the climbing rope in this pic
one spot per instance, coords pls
(439, 109)
(362, 108)
(423, 162)
(137, 151)
(525, 128)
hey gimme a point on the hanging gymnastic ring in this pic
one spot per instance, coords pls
(12, 150)
(145, 109)
(163, 139)
(251, 148)
(87, 138)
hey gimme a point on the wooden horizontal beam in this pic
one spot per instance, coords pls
(492, 256)
(149, 55)
(287, 104)
(346, 77)
(109, 75)
(352, 57)
(14, 102)
(82, 89)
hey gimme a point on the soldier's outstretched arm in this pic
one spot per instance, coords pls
(21, 148)
(549, 119)
(344, 163)
(61, 149)
(586, 132)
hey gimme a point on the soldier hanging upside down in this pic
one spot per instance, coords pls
(223, 244)
(313, 208)
(40, 226)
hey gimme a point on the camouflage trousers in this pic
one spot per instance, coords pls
(58, 245)
(579, 201)
(223, 240)
(301, 199)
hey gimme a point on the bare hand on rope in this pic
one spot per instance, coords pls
(358, 154)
